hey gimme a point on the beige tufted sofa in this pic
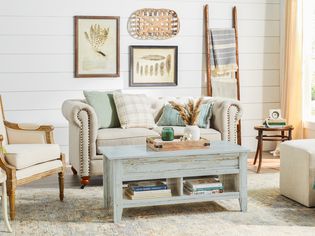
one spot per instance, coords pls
(85, 138)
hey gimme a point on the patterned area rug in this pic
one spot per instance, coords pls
(39, 212)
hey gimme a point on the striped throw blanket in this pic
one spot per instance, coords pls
(222, 51)
(224, 86)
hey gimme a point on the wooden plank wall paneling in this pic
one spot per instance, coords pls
(36, 55)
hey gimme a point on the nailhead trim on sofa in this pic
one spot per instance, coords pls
(235, 126)
(82, 172)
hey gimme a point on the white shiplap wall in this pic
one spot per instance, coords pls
(36, 55)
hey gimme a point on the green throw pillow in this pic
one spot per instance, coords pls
(104, 106)
(171, 117)
(205, 115)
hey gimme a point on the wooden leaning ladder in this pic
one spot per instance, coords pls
(208, 62)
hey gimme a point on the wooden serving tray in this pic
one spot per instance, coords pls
(157, 144)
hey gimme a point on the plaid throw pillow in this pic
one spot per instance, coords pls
(134, 111)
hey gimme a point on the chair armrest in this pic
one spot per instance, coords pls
(25, 133)
(226, 115)
(10, 170)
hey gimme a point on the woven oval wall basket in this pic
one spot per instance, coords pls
(150, 23)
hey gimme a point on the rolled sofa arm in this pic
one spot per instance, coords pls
(226, 114)
(82, 134)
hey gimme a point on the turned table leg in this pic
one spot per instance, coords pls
(74, 171)
(257, 150)
(260, 138)
(61, 180)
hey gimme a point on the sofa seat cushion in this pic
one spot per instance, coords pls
(137, 136)
(25, 155)
(118, 136)
(209, 134)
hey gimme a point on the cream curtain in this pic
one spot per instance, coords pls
(291, 87)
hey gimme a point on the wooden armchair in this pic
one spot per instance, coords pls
(28, 153)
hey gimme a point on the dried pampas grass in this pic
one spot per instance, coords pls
(188, 112)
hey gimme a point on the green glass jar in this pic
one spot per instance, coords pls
(167, 134)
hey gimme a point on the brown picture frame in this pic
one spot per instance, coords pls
(160, 69)
(103, 52)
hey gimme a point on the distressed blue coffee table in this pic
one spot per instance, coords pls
(133, 163)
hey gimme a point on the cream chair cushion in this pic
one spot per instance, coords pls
(39, 168)
(24, 155)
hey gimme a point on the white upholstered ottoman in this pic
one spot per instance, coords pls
(297, 170)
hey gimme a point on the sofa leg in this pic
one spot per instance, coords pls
(61, 180)
(85, 180)
(74, 171)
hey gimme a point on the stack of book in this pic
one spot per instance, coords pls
(147, 189)
(275, 123)
(209, 185)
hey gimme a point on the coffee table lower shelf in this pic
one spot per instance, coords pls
(127, 203)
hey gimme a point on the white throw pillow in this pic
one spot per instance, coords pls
(134, 111)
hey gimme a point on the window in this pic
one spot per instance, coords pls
(309, 59)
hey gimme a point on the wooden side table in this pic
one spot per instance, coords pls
(285, 134)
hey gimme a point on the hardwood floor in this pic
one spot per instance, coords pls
(71, 181)
(270, 164)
